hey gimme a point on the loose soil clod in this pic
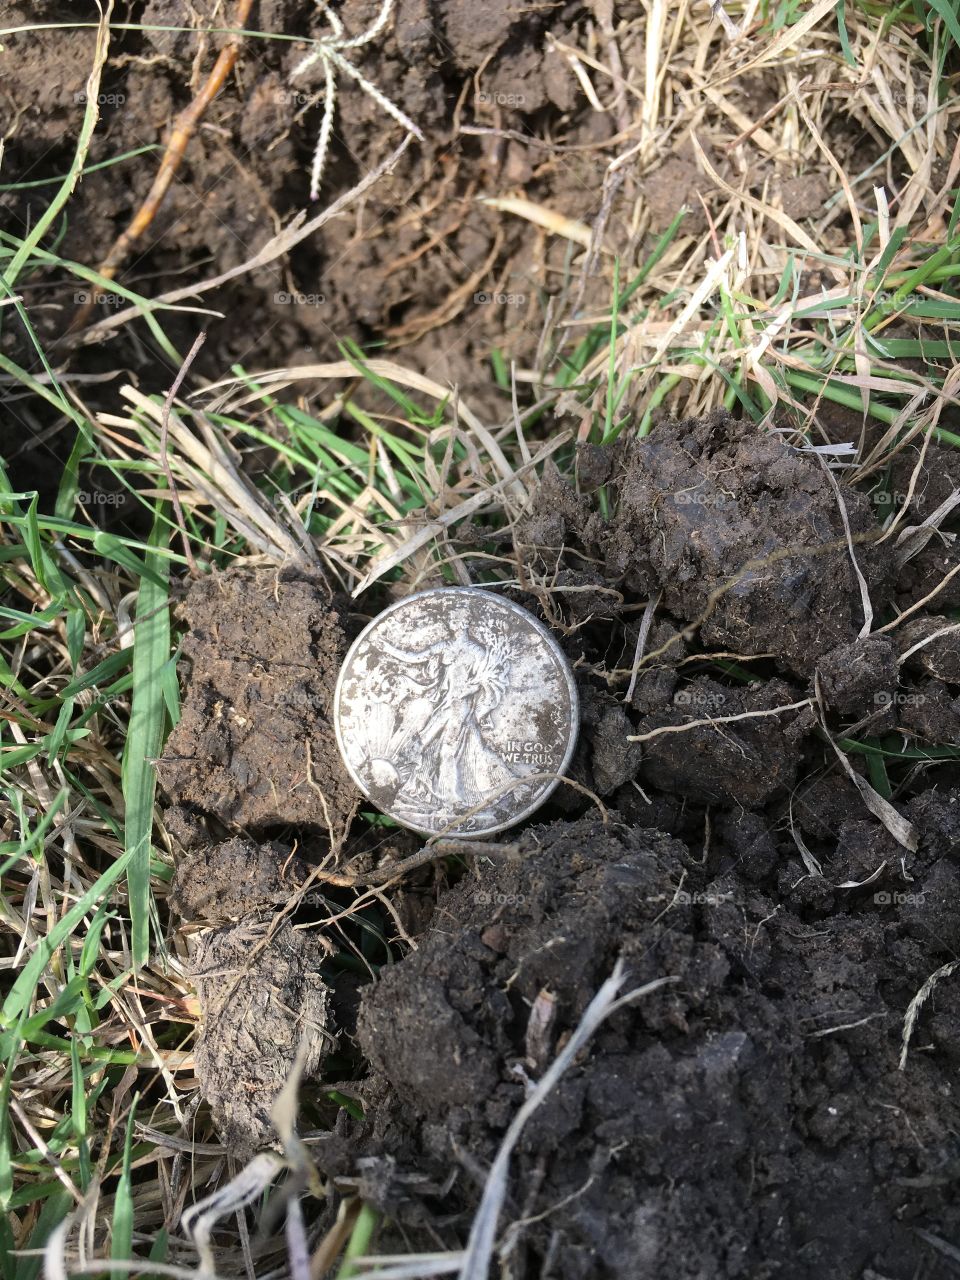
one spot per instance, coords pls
(741, 534)
(262, 999)
(254, 746)
(235, 880)
(257, 979)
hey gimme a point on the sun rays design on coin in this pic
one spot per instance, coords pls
(456, 712)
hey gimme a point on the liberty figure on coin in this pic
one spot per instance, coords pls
(466, 681)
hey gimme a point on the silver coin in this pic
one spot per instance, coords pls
(456, 712)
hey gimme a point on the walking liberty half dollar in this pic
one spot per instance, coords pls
(456, 711)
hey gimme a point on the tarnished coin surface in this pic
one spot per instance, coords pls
(456, 711)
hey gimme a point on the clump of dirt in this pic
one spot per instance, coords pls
(741, 535)
(857, 677)
(235, 879)
(258, 981)
(750, 761)
(674, 184)
(740, 542)
(748, 1119)
(262, 1000)
(931, 643)
(417, 263)
(738, 1121)
(254, 746)
(930, 712)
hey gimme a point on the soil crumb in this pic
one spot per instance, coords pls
(234, 880)
(254, 746)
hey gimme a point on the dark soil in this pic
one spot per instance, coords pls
(224, 882)
(750, 1119)
(422, 264)
(742, 536)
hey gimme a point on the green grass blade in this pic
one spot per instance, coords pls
(946, 10)
(612, 360)
(56, 1208)
(90, 168)
(359, 1242)
(121, 1243)
(151, 649)
(78, 1109)
(843, 34)
(6, 1157)
(21, 993)
(58, 201)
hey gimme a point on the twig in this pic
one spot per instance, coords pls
(920, 603)
(645, 623)
(861, 580)
(292, 234)
(183, 130)
(904, 832)
(430, 853)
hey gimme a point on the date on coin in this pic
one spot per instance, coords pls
(456, 712)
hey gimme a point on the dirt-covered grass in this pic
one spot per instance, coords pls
(621, 217)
